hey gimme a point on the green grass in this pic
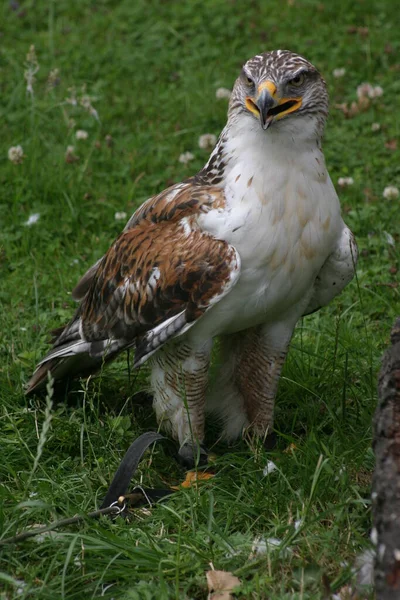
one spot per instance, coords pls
(152, 69)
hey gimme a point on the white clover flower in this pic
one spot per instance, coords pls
(120, 216)
(185, 157)
(207, 141)
(32, 219)
(345, 181)
(375, 126)
(364, 90)
(223, 93)
(376, 92)
(338, 73)
(81, 134)
(269, 467)
(16, 154)
(391, 192)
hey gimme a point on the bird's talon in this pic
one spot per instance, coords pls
(270, 441)
(192, 456)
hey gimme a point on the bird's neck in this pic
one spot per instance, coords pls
(243, 140)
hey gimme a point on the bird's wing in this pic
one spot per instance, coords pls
(336, 272)
(157, 279)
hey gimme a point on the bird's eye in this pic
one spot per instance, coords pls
(298, 80)
(248, 80)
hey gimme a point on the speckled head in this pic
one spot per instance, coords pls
(280, 85)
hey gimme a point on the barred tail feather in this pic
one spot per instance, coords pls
(72, 356)
(62, 368)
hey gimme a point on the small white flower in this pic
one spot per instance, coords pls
(345, 181)
(269, 467)
(32, 494)
(297, 524)
(23, 329)
(32, 219)
(78, 561)
(266, 545)
(207, 141)
(376, 92)
(16, 154)
(391, 192)
(223, 93)
(375, 126)
(364, 90)
(19, 590)
(81, 134)
(185, 157)
(338, 73)
(70, 150)
(389, 238)
(120, 216)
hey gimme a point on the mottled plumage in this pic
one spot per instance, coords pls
(242, 250)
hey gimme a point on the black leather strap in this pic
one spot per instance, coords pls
(128, 466)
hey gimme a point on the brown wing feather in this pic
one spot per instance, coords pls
(156, 280)
(157, 268)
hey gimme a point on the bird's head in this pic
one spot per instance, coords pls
(278, 86)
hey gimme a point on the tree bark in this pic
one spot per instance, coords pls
(386, 479)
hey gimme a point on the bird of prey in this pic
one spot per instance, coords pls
(242, 250)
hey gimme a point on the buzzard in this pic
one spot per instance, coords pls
(242, 250)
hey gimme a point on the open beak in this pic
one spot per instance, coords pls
(268, 106)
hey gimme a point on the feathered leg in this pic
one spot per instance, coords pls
(245, 388)
(179, 377)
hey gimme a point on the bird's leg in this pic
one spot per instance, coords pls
(179, 380)
(257, 376)
(244, 390)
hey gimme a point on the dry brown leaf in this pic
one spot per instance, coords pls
(221, 584)
(291, 448)
(192, 478)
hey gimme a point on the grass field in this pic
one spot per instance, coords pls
(141, 78)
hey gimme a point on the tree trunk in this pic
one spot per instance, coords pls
(386, 479)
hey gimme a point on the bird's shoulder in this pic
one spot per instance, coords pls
(174, 204)
(177, 202)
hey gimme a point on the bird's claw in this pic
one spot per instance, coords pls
(192, 456)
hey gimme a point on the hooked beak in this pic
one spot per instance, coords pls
(268, 106)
